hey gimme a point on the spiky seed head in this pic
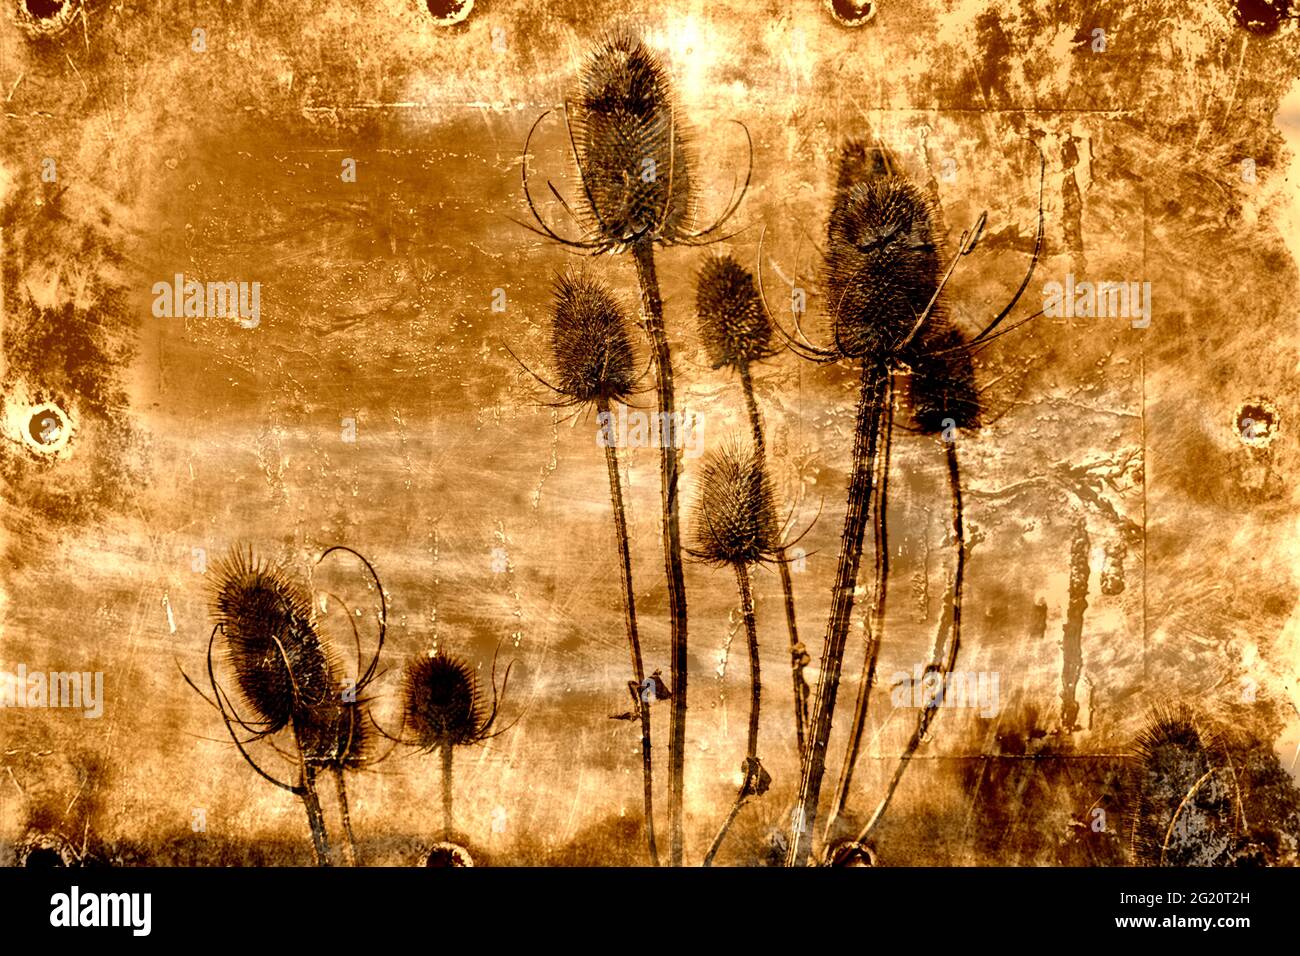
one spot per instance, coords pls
(943, 378)
(735, 514)
(881, 267)
(444, 706)
(269, 639)
(631, 147)
(734, 326)
(1187, 804)
(590, 341)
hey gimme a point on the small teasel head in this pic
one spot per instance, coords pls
(443, 703)
(590, 341)
(734, 326)
(1187, 809)
(281, 666)
(335, 733)
(881, 267)
(631, 147)
(942, 393)
(735, 519)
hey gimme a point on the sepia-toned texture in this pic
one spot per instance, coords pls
(277, 279)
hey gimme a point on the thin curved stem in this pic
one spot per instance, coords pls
(446, 792)
(643, 253)
(813, 766)
(954, 645)
(350, 842)
(634, 642)
(752, 766)
(876, 617)
(800, 685)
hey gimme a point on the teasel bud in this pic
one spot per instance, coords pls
(1188, 805)
(335, 734)
(631, 147)
(943, 392)
(881, 265)
(443, 703)
(590, 342)
(734, 326)
(270, 640)
(735, 517)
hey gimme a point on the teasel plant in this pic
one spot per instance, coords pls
(444, 707)
(287, 679)
(637, 173)
(1186, 795)
(595, 367)
(882, 279)
(735, 526)
(737, 333)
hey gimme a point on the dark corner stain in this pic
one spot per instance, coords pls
(44, 19)
(1261, 17)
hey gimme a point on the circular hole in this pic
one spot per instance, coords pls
(447, 12)
(44, 9)
(1257, 422)
(852, 13)
(45, 427)
(1261, 16)
(448, 854)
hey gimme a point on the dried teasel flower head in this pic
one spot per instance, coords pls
(943, 392)
(881, 266)
(335, 733)
(735, 516)
(1188, 805)
(734, 326)
(590, 341)
(443, 703)
(631, 147)
(281, 666)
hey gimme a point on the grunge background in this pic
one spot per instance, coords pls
(1131, 544)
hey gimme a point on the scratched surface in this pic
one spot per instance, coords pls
(1127, 548)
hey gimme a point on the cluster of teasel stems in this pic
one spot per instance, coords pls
(884, 280)
(290, 684)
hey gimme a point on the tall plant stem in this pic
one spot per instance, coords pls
(634, 642)
(315, 818)
(954, 645)
(350, 843)
(653, 307)
(755, 699)
(799, 684)
(813, 765)
(876, 618)
(446, 792)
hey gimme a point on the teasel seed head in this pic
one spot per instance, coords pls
(734, 326)
(881, 266)
(335, 733)
(443, 703)
(1187, 811)
(735, 515)
(590, 341)
(270, 640)
(631, 147)
(943, 388)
